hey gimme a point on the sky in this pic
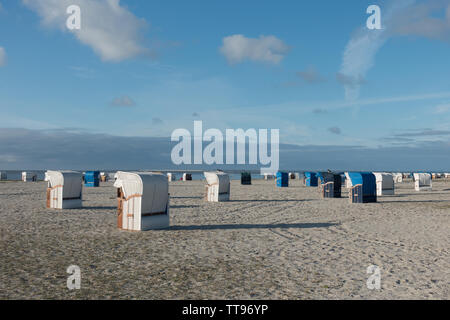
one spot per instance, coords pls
(137, 70)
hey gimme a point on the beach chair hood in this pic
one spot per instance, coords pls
(366, 179)
(218, 178)
(386, 180)
(424, 179)
(70, 180)
(152, 188)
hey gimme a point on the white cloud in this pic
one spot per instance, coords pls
(2, 56)
(442, 108)
(12, 121)
(335, 130)
(401, 18)
(297, 108)
(310, 75)
(359, 54)
(238, 48)
(112, 31)
(157, 121)
(430, 20)
(358, 58)
(123, 101)
(83, 72)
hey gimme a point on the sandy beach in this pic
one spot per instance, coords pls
(266, 243)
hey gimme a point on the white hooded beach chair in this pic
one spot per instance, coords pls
(348, 181)
(385, 183)
(422, 182)
(64, 189)
(187, 176)
(143, 201)
(269, 176)
(29, 176)
(218, 186)
(398, 177)
(103, 176)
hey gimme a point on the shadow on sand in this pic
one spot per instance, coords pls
(186, 197)
(183, 206)
(270, 200)
(420, 193)
(415, 201)
(253, 226)
(17, 194)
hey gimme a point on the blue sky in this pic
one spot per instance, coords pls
(145, 68)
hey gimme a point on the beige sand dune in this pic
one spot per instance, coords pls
(267, 243)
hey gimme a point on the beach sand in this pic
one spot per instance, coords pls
(266, 243)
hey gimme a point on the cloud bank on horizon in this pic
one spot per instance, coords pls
(79, 150)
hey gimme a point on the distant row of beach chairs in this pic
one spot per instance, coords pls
(98, 176)
(143, 197)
